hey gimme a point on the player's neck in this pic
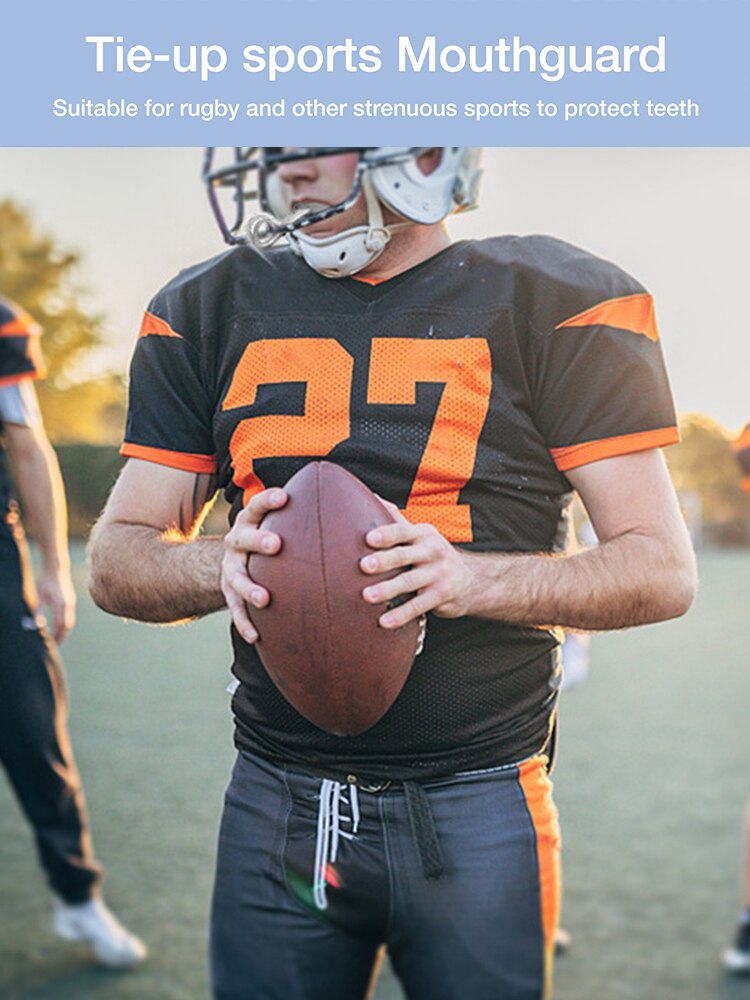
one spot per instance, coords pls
(408, 247)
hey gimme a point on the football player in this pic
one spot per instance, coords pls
(473, 385)
(737, 958)
(34, 740)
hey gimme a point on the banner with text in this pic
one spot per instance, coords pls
(487, 72)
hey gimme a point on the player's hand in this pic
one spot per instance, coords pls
(437, 574)
(244, 538)
(56, 593)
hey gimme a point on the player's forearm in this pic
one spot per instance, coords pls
(139, 572)
(630, 580)
(42, 495)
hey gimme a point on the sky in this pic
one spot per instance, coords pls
(677, 219)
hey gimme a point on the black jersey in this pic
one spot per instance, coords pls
(742, 451)
(462, 390)
(20, 358)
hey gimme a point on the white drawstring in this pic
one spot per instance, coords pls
(329, 831)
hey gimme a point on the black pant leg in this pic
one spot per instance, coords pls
(35, 745)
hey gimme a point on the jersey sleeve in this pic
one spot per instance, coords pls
(170, 413)
(20, 353)
(742, 450)
(599, 383)
(18, 405)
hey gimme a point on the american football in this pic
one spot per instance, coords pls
(319, 640)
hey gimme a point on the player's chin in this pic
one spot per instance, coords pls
(331, 227)
(351, 218)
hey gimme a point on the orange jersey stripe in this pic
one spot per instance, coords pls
(153, 326)
(594, 451)
(630, 312)
(174, 459)
(537, 790)
(745, 484)
(743, 441)
(21, 377)
(21, 326)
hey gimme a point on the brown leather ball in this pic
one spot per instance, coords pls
(320, 641)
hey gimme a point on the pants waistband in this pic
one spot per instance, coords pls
(376, 786)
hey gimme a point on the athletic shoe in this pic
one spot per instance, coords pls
(95, 924)
(563, 941)
(737, 958)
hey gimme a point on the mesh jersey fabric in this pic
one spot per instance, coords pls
(20, 359)
(462, 391)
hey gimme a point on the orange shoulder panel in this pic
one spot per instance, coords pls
(153, 326)
(22, 325)
(630, 312)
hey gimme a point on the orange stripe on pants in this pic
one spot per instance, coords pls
(537, 789)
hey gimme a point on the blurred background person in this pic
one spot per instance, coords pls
(35, 745)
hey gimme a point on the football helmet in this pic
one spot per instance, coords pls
(387, 176)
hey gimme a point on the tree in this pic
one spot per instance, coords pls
(39, 274)
(703, 466)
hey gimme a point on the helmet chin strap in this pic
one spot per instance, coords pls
(349, 251)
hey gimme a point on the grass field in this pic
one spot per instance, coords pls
(651, 784)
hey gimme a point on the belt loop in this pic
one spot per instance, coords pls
(424, 831)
